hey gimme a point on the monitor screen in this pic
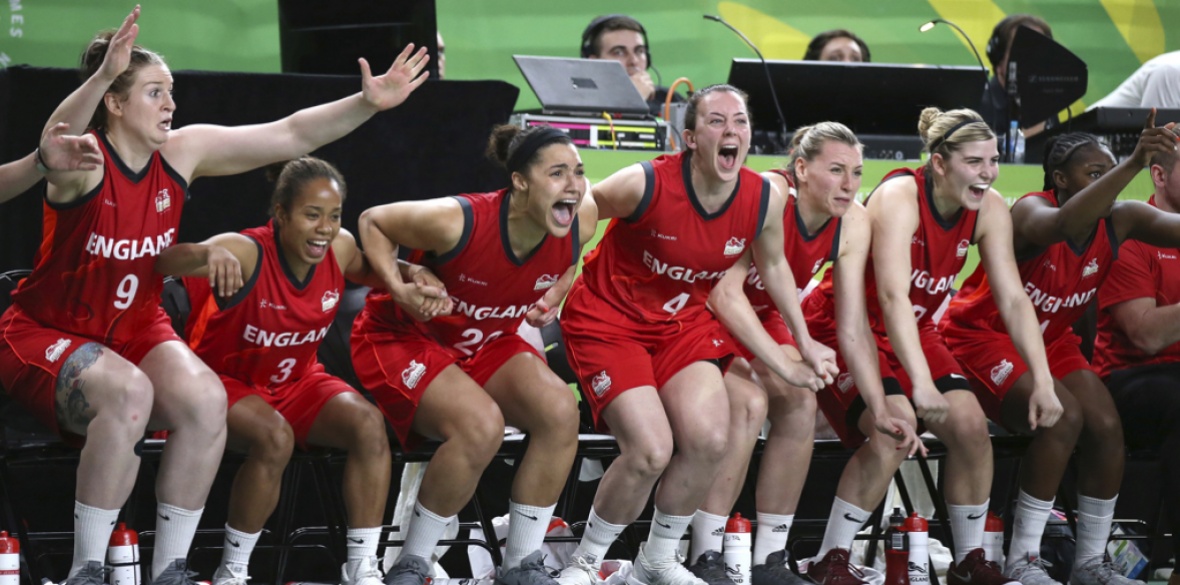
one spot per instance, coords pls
(869, 98)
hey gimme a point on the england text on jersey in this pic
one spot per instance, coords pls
(480, 313)
(924, 280)
(1046, 303)
(101, 245)
(265, 338)
(681, 273)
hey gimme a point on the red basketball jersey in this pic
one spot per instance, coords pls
(268, 333)
(938, 251)
(659, 264)
(1141, 271)
(491, 288)
(805, 253)
(1060, 280)
(94, 274)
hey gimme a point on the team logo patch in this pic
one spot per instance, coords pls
(735, 246)
(600, 383)
(1163, 256)
(961, 251)
(163, 201)
(329, 300)
(413, 374)
(1002, 371)
(465, 278)
(844, 382)
(545, 281)
(53, 352)
(1091, 269)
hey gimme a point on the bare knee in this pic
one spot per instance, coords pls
(752, 408)
(273, 445)
(1105, 429)
(479, 434)
(649, 458)
(966, 433)
(555, 419)
(706, 442)
(1069, 426)
(368, 435)
(793, 407)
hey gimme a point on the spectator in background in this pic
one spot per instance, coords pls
(622, 38)
(1156, 84)
(996, 105)
(837, 45)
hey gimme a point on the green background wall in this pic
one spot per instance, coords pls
(1112, 36)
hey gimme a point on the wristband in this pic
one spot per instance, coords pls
(41, 166)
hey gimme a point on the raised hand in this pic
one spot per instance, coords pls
(404, 76)
(1154, 140)
(118, 55)
(61, 152)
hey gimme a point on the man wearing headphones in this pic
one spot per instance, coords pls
(995, 107)
(622, 38)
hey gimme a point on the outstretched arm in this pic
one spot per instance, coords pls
(434, 225)
(58, 152)
(999, 261)
(208, 150)
(223, 259)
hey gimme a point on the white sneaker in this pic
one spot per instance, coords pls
(580, 571)
(1099, 571)
(362, 571)
(230, 574)
(669, 572)
(1030, 569)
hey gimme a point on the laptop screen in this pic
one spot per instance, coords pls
(581, 86)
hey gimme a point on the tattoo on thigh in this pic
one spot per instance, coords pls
(73, 409)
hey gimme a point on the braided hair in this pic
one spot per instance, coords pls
(1060, 149)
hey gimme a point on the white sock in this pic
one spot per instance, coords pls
(771, 535)
(664, 539)
(362, 542)
(92, 534)
(597, 538)
(1094, 518)
(967, 524)
(1028, 526)
(527, 526)
(238, 546)
(425, 530)
(708, 533)
(175, 528)
(844, 521)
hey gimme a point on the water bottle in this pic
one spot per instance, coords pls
(123, 556)
(9, 560)
(897, 553)
(736, 550)
(916, 531)
(1016, 139)
(993, 539)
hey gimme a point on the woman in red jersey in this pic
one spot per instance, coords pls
(1066, 239)
(85, 345)
(505, 257)
(648, 352)
(262, 342)
(822, 222)
(923, 222)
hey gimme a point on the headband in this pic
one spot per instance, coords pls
(946, 135)
(539, 138)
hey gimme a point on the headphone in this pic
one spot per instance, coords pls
(1003, 33)
(595, 28)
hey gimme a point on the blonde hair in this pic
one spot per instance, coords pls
(945, 132)
(809, 141)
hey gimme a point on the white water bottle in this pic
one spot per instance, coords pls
(736, 550)
(9, 560)
(123, 556)
(917, 531)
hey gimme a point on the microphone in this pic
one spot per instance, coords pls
(773, 95)
(926, 26)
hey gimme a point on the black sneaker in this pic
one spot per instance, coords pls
(710, 568)
(775, 571)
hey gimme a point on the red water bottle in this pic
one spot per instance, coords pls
(993, 539)
(917, 532)
(9, 560)
(736, 550)
(897, 553)
(123, 556)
